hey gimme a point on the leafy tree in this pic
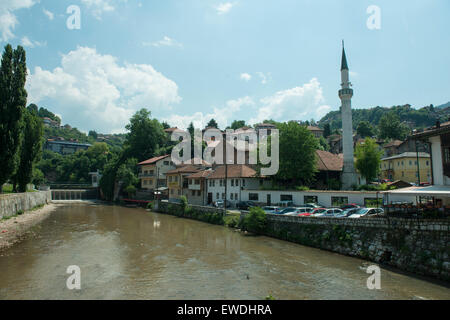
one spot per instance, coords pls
(38, 177)
(365, 129)
(127, 172)
(144, 137)
(212, 124)
(327, 130)
(390, 127)
(165, 125)
(255, 221)
(44, 113)
(130, 190)
(13, 98)
(297, 153)
(237, 124)
(368, 159)
(33, 109)
(30, 149)
(93, 134)
(324, 144)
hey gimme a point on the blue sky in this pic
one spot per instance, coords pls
(192, 60)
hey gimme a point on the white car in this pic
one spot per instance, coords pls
(366, 213)
(299, 211)
(332, 213)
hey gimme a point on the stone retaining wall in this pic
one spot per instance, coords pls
(11, 204)
(418, 246)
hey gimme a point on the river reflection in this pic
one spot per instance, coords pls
(127, 253)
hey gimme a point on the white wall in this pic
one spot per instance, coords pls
(324, 197)
(438, 168)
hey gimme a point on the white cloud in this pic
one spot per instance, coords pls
(225, 7)
(165, 42)
(298, 103)
(8, 19)
(264, 77)
(98, 7)
(93, 91)
(223, 115)
(246, 77)
(26, 42)
(49, 14)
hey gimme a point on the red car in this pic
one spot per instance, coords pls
(312, 212)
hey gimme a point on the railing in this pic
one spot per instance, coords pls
(146, 175)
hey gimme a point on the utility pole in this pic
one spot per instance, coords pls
(226, 186)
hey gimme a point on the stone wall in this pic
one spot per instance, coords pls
(201, 213)
(418, 246)
(11, 204)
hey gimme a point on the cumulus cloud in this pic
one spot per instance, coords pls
(223, 115)
(297, 103)
(8, 19)
(246, 77)
(49, 14)
(224, 8)
(98, 7)
(26, 42)
(91, 90)
(165, 42)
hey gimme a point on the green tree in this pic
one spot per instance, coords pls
(368, 159)
(13, 98)
(212, 124)
(390, 127)
(93, 134)
(365, 129)
(30, 149)
(297, 153)
(327, 130)
(255, 221)
(237, 124)
(145, 136)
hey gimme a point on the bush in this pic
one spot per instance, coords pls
(255, 221)
(130, 190)
(231, 221)
(184, 203)
(150, 206)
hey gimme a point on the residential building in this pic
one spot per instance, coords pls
(65, 147)
(50, 123)
(178, 182)
(406, 168)
(152, 173)
(238, 178)
(316, 131)
(197, 187)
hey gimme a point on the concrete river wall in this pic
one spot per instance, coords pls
(418, 246)
(11, 204)
(415, 245)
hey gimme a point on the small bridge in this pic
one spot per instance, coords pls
(74, 193)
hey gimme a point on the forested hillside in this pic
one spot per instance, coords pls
(413, 118)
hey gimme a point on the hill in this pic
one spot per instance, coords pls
(413, 118)
(444, 106)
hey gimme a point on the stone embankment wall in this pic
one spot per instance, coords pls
(418, 246)
(11, 204)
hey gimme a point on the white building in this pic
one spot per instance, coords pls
(239, 178)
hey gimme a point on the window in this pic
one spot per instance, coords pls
(428, 163)
(338, 201)
(237, 183)
(261, 182)
(191, 181)
(286, 197)
(253, 196)
(150, 182)
(176, 178)
(193, 193)
(223, 196)
(221, 182)
(217, 196)
(171, 191)
(372, 202)
(243, 182)
(199, 193)
(232, 182)
(232, 195)
(410, 162)
(403, 173)
(235, 196)
(166, 163)
(311, 199)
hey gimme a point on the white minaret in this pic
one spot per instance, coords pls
(349, 176)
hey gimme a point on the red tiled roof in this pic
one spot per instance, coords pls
(234, 171)
(185, 169)
(313, 128)
(327, 161)
(153, 160)
(201, 174)
(394, 143)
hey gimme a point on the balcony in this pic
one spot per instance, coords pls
(194, 187)
(146, 175)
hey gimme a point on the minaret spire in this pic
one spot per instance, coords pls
(344, 65)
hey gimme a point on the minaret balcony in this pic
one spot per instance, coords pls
(346, 93)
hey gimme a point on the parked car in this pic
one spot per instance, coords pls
(220, 204)
(287, 210)
(350, 211)
(272, 209)
(333, 213)
(311, 205)
(312, 212)
(245, 205)
(367, 212)
(349, 206)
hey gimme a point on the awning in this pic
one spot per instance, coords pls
(430, 191)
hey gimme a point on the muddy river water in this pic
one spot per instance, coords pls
(127, 253)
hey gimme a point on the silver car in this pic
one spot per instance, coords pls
(367, 212)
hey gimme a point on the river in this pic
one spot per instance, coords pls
(128, 253)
